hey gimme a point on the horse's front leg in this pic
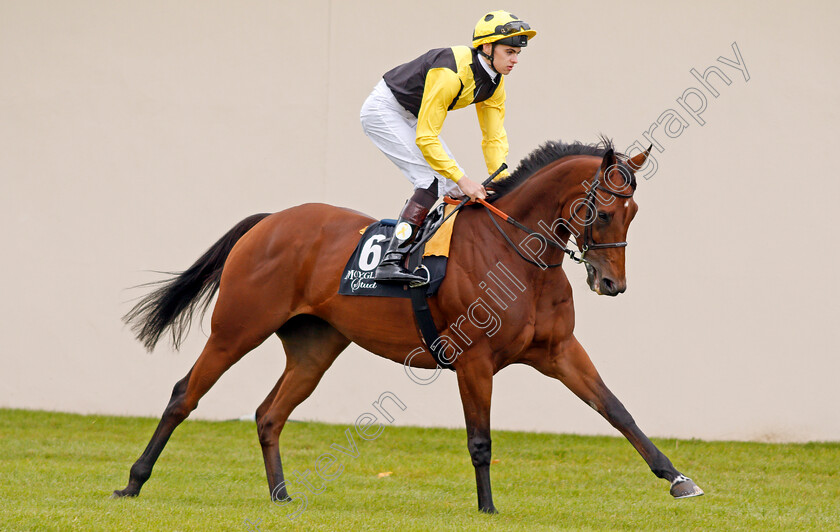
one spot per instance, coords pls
(572, 366)
(475, 383)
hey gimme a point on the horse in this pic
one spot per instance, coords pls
(279, 274)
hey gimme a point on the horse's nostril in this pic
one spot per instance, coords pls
(608, 285)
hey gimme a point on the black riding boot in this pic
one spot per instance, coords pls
(392, 267)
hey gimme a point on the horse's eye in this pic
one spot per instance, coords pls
(604, 217)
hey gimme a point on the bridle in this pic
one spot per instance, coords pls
(588, 240)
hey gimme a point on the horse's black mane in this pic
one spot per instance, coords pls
(549, 152)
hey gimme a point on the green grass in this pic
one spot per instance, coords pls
(57, 472)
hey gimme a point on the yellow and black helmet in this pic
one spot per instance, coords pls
(501, 27)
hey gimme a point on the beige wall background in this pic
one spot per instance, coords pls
(133, 134)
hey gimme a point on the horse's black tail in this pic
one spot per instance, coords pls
(172, 304)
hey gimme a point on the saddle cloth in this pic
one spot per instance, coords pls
(357, 277)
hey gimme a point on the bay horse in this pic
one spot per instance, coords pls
(279, 274)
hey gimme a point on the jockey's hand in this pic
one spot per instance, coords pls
(471, 188)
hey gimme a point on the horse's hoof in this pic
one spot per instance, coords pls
(119, 494)
(683, 487)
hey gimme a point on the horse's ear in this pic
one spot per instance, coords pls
(609, 160)
(639, 160)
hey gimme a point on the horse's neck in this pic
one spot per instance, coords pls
(543, 196)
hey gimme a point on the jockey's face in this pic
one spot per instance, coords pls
(504, 57)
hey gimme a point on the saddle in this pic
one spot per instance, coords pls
(427, 256)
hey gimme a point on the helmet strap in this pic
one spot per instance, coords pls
(480, 50)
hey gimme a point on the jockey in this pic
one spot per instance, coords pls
(404, 114)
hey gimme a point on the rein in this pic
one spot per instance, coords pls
(588, 241)
(491, 210)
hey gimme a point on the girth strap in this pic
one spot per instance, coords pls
(423, 317)
(422, 314)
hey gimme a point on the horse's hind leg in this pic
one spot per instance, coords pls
(311, 346)
(572, 366)
(221, 352)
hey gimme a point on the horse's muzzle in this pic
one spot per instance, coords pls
(608, 287)
(601, 285)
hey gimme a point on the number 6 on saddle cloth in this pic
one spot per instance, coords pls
(431, 257)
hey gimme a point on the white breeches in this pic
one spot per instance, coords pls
(393, 130)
